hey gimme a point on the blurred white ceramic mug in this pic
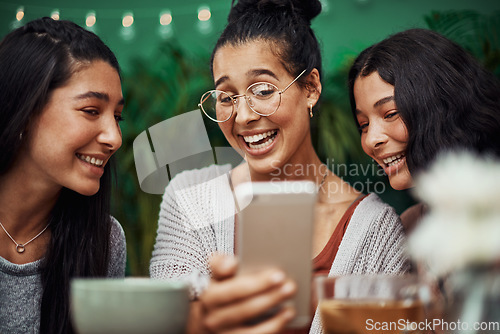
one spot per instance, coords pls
(129, 306)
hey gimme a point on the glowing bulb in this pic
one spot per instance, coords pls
(55, 15)
(90, 20)
(128, 20)
(20, 14)
(204, 14)
(165, 18)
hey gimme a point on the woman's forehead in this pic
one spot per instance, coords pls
(250, 58)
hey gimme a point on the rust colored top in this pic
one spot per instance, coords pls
(322, 263)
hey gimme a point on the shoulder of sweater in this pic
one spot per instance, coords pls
(116, 228)
(117, 234)
(374, 202)
(118, 250)
(374, 210)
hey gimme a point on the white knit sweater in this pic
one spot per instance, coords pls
(197, 219)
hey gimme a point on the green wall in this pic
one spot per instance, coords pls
(352, 25)
(345, 26)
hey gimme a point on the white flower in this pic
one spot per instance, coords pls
(462, 228)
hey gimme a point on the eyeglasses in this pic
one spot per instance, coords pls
(263, 98)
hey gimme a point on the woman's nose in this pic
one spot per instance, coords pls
(243, 110)
(375, 136)
(110, 134)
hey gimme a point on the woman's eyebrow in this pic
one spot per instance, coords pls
(221, 80)
(90, 94)
(258, 72)
(97, 95)
(250, 74)
(383, 101)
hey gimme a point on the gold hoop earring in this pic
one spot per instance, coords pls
(311, 110)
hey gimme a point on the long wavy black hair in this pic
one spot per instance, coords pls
(446, 99)
(286, 24)
(35, 60)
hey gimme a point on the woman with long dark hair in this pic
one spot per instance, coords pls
(61, 103)
(417, 94)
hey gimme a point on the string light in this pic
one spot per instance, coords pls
(90, 20)
(55, 14)
(128, 20)
(165, 29)
(127, 32)
(204, 13)
(204, 24)
(20, 13)
(165, 18)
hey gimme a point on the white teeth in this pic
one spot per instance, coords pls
(266, 143)
(260, 136)
(390, 161)
(91, 160)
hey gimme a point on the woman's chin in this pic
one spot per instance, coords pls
(87, 191)
(401, 183)
(265, 167)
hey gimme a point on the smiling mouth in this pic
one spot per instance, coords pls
(91, 160)
(395, 159)
(262, 140)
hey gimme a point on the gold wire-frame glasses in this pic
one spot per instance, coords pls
(263, 98)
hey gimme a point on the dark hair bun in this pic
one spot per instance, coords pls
(306, 9)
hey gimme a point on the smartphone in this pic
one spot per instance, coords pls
(274, 229)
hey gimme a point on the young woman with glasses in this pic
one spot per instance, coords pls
(61, 104)
(266, 67)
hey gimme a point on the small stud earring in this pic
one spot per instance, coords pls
(21, 136)
(311, 110)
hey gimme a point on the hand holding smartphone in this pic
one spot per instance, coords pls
(274, 229)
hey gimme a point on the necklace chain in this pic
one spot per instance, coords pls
(20, 247)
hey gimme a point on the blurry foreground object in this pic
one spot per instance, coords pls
(130, 305)
(364, 304)
(458, 239)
